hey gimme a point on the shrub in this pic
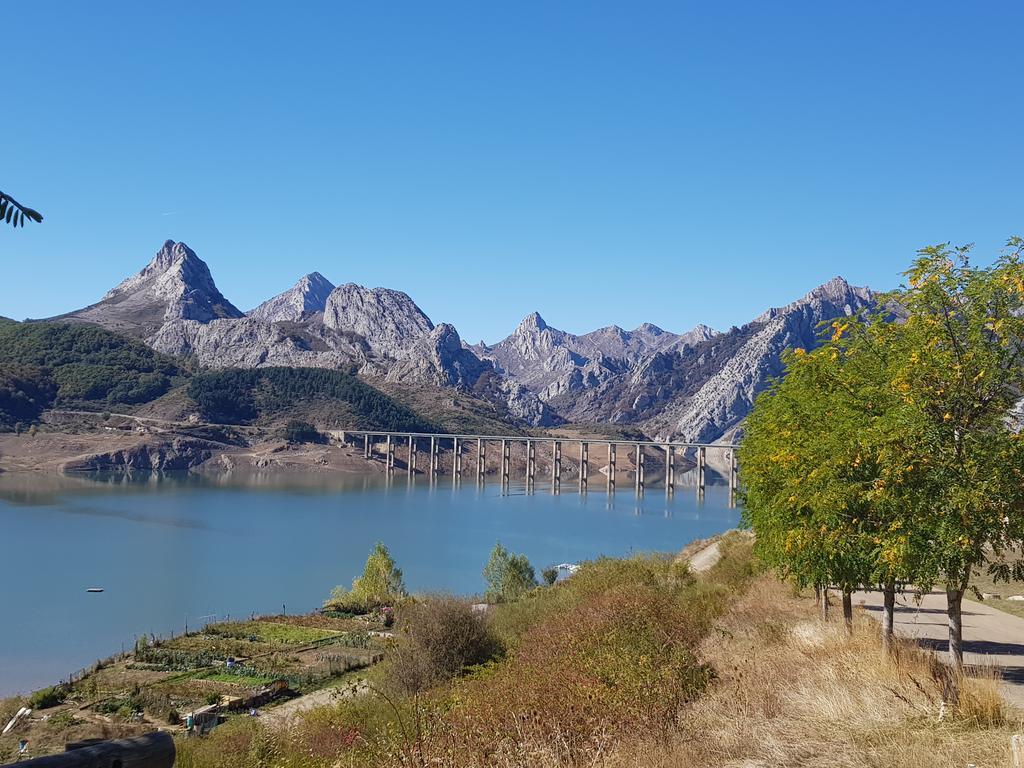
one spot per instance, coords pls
(615, 663)
(438, 638)
(549, 575)
(297, 432)
(380, 585)
(47, 697)
(508, 576)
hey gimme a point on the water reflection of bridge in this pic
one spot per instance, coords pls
(665, 462)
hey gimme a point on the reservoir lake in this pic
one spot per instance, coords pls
(192, 549)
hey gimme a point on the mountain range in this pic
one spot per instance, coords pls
(697, 385)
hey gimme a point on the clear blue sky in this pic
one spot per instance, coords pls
(599, 162)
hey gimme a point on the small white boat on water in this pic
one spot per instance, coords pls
(94, 589)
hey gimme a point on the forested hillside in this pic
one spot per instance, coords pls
(243, 396)
(79, 366)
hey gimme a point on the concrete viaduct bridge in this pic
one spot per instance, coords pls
(408, 445)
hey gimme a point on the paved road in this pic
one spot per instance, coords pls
(991, 637)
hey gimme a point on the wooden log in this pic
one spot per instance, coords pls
(153, 750)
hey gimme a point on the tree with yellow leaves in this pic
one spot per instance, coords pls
(889, 455)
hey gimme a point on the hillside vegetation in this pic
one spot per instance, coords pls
(43, 365)
(244, 396)
(79, 366)
(634, 662)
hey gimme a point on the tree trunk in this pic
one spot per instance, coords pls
(888, 614)
(954, 603)
(824, 602)
(817, 595)
(848, 609)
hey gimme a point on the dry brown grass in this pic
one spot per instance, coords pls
(795, 692)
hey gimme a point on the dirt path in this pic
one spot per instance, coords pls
(325, 697)
(991, 637)
(705, 559)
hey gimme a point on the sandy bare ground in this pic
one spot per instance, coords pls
(704, 559)
(992, 638)
(325, 697)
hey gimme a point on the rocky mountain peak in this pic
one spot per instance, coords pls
(649, 329)
(175, 285)
(837, 294)
(533, 322)
(307, 297)
(388, 320)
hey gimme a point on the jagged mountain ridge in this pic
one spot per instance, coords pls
(554, 363)
(696, 386)
(174, 305)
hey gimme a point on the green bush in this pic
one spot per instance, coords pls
(508, 576)
(47, 697)
(438, 638)
(380, 585)
(297, 432)
(549, 575)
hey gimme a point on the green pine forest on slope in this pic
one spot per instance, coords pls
(84, 367)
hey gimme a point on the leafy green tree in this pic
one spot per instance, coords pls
(380, 585)
(957, 365)
(808, 462)
(14, 213)
(508, 576)
(890, 449)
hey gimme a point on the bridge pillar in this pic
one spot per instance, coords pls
(639, 470)
(556, 467)
(411, 463)
(480, 465)
(366, 445)
(670, 469)
(611, 468)
(702, 463)
(531, 464)
(733, 477)
(433, 459)
(505, 461)
(584, 466)
(390, 461)
(456, 461)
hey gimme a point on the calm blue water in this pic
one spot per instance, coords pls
(172, 550)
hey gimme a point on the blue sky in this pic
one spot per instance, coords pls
(599, 162)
